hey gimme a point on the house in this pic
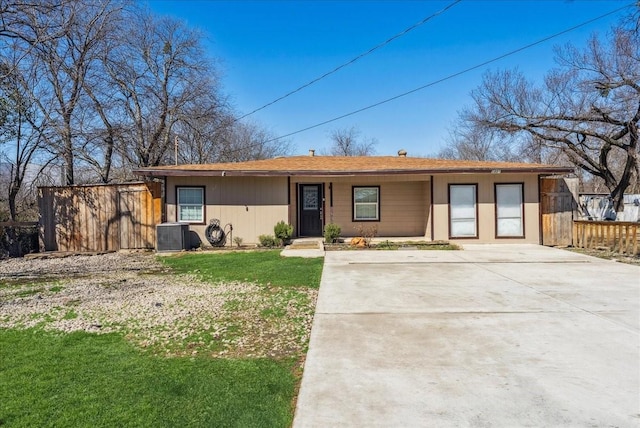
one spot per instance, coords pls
(435, 199)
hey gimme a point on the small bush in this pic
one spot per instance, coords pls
(283, 231)
(367, 232)
(331, 233)
(269, 241)
(238, 241)
(386, 245)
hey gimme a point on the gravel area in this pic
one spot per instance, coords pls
(609, 255)
(136, 295)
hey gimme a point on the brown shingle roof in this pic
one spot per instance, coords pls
(348, 165)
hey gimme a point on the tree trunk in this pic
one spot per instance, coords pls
(68, 166)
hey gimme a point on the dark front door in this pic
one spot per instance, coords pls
(310, 209)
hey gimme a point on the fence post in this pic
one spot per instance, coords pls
(626, 239)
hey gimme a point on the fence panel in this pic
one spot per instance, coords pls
(557, 207)
(617, 236)
(99, 217)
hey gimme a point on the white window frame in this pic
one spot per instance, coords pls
(356, 204)
(509, 218)
(179, 205)
(464, 215)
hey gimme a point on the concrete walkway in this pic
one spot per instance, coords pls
(492, 336)
(304, 247)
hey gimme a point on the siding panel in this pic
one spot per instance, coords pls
(253, 205)
(486, 205)
(404, 203)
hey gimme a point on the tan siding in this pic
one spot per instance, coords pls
(486, 205)
(253, 205)
(404, 203)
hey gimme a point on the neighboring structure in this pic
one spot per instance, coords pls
(107, 217)
(599, 207)
(434, 199)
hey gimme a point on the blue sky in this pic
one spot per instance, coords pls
(266, 49)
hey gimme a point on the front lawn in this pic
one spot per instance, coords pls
(88, 380)
(263, 267)
(203, 339)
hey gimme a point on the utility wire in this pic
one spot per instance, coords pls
(451, 76)
(362, 55)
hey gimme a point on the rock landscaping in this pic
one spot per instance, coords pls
(162, 312)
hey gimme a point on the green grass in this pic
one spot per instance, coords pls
(389, 245)
(30, 282)
(82, 379)
(263, 267)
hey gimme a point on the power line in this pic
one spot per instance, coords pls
(451, 76)
(386, 42)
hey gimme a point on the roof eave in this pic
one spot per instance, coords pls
(158, 172)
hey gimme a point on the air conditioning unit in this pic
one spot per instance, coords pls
(172, 237)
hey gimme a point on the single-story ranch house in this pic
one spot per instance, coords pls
(436, 199)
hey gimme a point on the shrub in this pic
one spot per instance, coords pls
(268, 241)
(367, 232)
(331, 233)
(283, 231)
(238, 241)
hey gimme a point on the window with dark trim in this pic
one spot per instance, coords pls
(366, 203)
(463, 211)
(509, 210)
(190, 204)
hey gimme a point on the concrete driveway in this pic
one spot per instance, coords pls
(492, 336)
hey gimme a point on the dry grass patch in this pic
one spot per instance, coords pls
(155, 309)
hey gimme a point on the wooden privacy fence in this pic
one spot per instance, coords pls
(617, 236)
(558, 196)
(99, 217)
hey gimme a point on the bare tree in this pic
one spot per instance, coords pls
(66, 59)
(249, 141)
(22, 128)
(587, 110)
(162, 74)
(200, 140)
(469, 141)
(115, 87)
(348, 142)
(17, 24)
(102, 124)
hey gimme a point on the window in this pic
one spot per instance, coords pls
(190, 204)
(310, 198)
(509, 211)
(463, 211)
(366, 203)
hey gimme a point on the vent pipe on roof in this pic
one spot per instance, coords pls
(312, 152)
(402, 153)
